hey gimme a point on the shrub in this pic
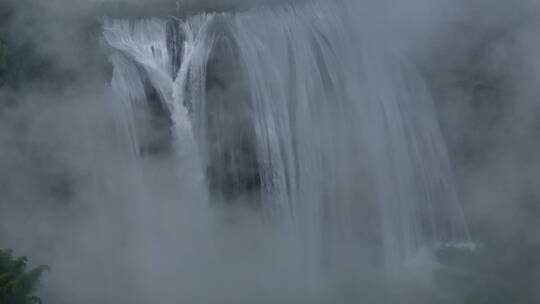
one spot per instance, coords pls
(17, 284)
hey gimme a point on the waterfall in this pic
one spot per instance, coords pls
(303, 113)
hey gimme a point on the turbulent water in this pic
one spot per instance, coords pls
(297, 112)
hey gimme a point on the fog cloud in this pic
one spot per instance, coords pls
(68, 195)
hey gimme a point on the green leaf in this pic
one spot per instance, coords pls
(17, 284)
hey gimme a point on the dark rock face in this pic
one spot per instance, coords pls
(175, 47)
(160, 123)
(159, 117)
(233, 168)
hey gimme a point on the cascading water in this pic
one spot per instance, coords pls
(303, 113)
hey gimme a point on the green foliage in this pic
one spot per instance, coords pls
(17, 284)
(20, 60)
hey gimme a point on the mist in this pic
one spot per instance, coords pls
(130, 207)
